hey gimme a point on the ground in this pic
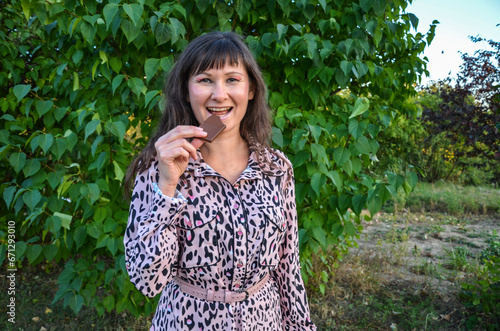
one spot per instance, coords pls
(407, 273)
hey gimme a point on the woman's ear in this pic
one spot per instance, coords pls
(251, 91)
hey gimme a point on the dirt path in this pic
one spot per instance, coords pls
(407, 272)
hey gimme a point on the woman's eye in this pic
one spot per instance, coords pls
(204, 80)
(233, 80)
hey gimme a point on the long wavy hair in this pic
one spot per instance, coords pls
(210, 51)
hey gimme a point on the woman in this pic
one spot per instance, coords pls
(213, 226)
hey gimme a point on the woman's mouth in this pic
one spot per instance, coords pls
(222, 112)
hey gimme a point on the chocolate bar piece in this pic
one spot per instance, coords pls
(213, 126)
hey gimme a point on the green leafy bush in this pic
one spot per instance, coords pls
(81, 81)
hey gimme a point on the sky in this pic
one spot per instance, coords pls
(458, 19)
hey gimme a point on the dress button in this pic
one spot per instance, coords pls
(240, 232)
(236, 205)
(236, 285)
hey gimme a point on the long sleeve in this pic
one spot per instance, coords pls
(294, 304)
(151, 246)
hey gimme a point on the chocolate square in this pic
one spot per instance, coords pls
(213, 126)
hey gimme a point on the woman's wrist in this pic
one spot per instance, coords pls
(167, 189)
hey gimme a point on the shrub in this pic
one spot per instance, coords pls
(81, 83)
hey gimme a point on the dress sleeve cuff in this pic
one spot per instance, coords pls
(164, 209)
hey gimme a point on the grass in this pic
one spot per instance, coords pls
(35, 290)
(449, 198)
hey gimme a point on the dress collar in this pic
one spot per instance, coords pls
(262, 161)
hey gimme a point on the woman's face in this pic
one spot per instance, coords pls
(223, 92)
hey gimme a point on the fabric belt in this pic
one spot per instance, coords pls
(222, 296)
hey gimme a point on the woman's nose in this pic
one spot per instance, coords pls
(219, 92)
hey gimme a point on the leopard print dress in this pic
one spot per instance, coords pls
(222, 236)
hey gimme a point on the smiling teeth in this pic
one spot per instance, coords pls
(219, 109)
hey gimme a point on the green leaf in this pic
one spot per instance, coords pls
(117, 129)
(91, 127)
(413, 20)
(50, 252)
(119, 174)
(32, 167)
(317, 182)
(335, 177)
(113, 244)
(374, 205)
(60, 69)
(134, 11)
(75, 302)
(162, 33)
(136, 85)
(109, 303)
(94, 192)
(8, 195)
(20, 249)
(312, 46)
(76, 81)
(79, 236)
(322, 288)
(315, 131)
(150, 68)
(4, 137)
(341, 155)
(33, 252)
(116, 64)
(130, 30)
(361, 106)
(17, 161)
(149, 96)
(88, 32)
(282, 29)
(363, 145)
(20, 91)
(177, 29)
(32, 198)
(356, 128)
(277, 137)
(93, 230)
(167, 63)
(42, 107)
(358, 203)
(411, 179)
(65, 219)
(337, 230)
(58, 148)
(349, 228)
(109, 13)
(54, 179)
(117, 82)
(346, 67)
(319, 234)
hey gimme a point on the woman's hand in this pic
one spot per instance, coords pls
(173, 152)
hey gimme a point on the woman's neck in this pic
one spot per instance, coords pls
(228, 155)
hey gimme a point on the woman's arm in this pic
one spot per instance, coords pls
(151, 246)
(294, 304)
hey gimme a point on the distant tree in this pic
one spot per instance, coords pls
(468, 114)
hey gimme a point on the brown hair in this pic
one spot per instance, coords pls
(208, 51)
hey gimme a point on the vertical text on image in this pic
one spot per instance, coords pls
(11, 271)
